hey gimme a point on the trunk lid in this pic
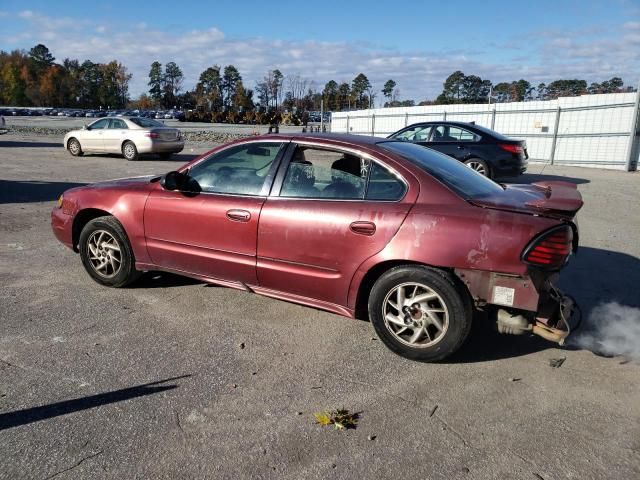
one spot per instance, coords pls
(549, 198)
(167, 133)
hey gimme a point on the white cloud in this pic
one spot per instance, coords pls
(585, 53)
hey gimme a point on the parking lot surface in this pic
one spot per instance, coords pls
(172, 378)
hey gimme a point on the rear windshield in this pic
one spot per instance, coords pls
(493, 133)
(145, 122)
(456, 175)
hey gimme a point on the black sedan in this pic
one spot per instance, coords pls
(487, 152)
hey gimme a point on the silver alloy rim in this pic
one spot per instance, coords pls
(104, 254)
(74, 146)
(129, 150)
(415, 315)
(477, 166)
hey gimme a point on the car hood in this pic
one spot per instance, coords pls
(133, 183)
(551, 199)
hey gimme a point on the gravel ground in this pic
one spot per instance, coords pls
(174, 379)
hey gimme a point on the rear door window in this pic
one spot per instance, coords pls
(448, 133)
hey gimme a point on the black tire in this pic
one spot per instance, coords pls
(74, 147)
(126, 272)
(129, 151)
(165, 155)
(479, 166)
(456, 302)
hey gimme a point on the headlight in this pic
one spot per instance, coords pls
(60, 200)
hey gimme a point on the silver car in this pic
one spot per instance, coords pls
(130, 136)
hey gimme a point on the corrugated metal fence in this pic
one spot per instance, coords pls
(590, 130)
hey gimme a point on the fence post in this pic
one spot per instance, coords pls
(555, 136)
(373, 124)
(348, 124)
(406, 119)
(444, 115)
(632, 163)
(493, 118)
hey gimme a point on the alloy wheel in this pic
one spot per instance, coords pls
(104, 254)
(478, 167)
(415, 315)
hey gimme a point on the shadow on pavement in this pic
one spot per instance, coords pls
(36, 414)
(164, 280)
(18, 144)
(148, 157)
(27, 191)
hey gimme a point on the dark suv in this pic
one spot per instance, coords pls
(487, 152)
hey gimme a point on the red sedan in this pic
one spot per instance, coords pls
(359, 226)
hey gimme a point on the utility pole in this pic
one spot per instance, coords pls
(322, 114)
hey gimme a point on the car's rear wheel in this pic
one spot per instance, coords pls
(419, 312)
(74, 147)
(129, 151)
(479, 166)
(106, 253)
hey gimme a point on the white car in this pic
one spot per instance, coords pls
(130, 137)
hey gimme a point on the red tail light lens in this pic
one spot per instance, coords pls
(551, 249)
(511, 148)
(152, 135)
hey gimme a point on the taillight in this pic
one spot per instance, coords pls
(152, 135)
(511, 148)
(551, 249)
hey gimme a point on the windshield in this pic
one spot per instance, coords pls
(456, 175)
(145, 122)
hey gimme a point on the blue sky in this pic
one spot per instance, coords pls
(417, 43)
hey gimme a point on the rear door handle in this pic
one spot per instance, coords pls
(236, 215)
(363, 228)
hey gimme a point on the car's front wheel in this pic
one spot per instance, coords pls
(106, 254)
(129, 151)
(419, 312)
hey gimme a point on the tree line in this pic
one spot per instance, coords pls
(33, 78)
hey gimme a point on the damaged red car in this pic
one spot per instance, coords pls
(360, 226)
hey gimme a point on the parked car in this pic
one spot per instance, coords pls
(128, 136)
(359, 226)
(485, 151)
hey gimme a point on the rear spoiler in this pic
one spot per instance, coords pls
(562, 198)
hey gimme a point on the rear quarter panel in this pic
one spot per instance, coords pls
(443, 230)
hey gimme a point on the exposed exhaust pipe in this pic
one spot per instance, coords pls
(514, 324)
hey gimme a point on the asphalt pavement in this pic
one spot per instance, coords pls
(172, 378)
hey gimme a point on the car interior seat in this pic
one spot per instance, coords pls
(346, 181)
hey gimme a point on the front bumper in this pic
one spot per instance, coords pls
(62, 226)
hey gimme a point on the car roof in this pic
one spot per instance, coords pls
(446, 122)
(332, 137)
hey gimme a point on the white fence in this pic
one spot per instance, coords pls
(590, 130)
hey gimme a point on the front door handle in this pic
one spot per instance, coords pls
(363, 228)
(237, 215)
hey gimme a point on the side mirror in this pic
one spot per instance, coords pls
(173, 180)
